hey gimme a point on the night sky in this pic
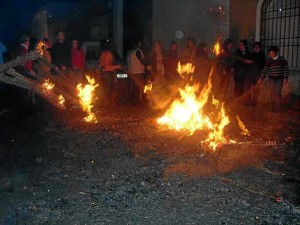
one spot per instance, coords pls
(16, 15)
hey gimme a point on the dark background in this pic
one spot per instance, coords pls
(16, 18)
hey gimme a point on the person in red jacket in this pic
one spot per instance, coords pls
(78, 62)
(77, 56)
(23, 49)
(25, 98)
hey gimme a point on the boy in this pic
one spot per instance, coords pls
(277, 68)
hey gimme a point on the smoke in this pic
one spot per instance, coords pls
(162, 95)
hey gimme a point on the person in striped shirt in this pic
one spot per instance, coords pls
(277, 69)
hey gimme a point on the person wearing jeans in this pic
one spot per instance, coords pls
(277, 68)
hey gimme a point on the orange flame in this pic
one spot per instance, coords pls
(148, 87)
(61, 101)
(39, 47)
(185, 69)
(187, 114)
(86, 95)
(217, 48)
(48, 86)
(216, 135)
(245, 131)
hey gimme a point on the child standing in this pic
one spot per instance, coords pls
(277, 68)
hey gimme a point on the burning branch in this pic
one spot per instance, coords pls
(33, 55)
(56, 90)
(86, 98)
(245, 131)
(12, 77)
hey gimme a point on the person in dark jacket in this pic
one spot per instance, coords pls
(61, 53)
(202, 64)
(171, 62)
(242, 69)
(108, 68)
(225, 68)
(259, 60)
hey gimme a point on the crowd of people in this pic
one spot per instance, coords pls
(56, 59)
(159, 66)
(248, 69)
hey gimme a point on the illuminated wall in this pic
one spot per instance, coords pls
(242, 20)
(176, 20)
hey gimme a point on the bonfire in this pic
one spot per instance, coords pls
(187, 114)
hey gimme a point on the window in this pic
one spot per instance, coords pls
(280, 27)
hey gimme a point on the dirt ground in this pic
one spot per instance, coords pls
(125, 169)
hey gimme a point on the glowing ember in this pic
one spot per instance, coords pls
(215, 102)
(187, 114)
(217, 48)
(245, 131)
(61, 101)
(86, 95)
(148, 87)
(39, 47)
(48, 87)
(185, 69)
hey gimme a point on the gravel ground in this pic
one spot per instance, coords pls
(55, 169)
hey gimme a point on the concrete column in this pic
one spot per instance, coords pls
(258, 20)
(118, 26)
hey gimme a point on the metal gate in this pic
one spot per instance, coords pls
(280, 27)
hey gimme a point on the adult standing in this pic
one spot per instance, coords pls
(157, 63)
(136, 69)
(108, 76)
(26, 98)
(171, 62)
(277, 68)
(242, 69)
(23, 49)
(78, 63)
(189, 54)
(259, 60)
(225, 67)
(202, 64)
(61, 53)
